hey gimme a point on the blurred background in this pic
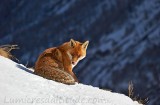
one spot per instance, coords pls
(124, 39)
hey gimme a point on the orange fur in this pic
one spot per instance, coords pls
(63, 59)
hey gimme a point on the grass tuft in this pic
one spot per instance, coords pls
(135, 98)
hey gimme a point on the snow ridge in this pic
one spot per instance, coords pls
(18, 85)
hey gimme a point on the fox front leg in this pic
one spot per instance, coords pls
(68, 69)
(74, 76)
(68, 66)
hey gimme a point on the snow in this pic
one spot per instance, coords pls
(18, 85)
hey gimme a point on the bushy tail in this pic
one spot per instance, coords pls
(56, 75)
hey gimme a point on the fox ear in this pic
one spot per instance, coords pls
(72, 43)
(85, 44)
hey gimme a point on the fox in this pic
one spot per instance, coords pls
(57, 63)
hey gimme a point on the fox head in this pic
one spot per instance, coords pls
(77, 51)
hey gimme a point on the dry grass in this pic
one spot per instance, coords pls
(5, 51)
(135, 98)
(130, 89)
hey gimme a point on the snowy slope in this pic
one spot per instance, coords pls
(124, 38)
(18, 85)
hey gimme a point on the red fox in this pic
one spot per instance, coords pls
(57, 63)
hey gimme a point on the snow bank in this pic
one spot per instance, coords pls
(18, 86)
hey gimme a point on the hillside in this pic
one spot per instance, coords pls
(19, 86)
(124, 38)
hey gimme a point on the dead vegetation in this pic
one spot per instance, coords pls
(135, 98)
(5, 51)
